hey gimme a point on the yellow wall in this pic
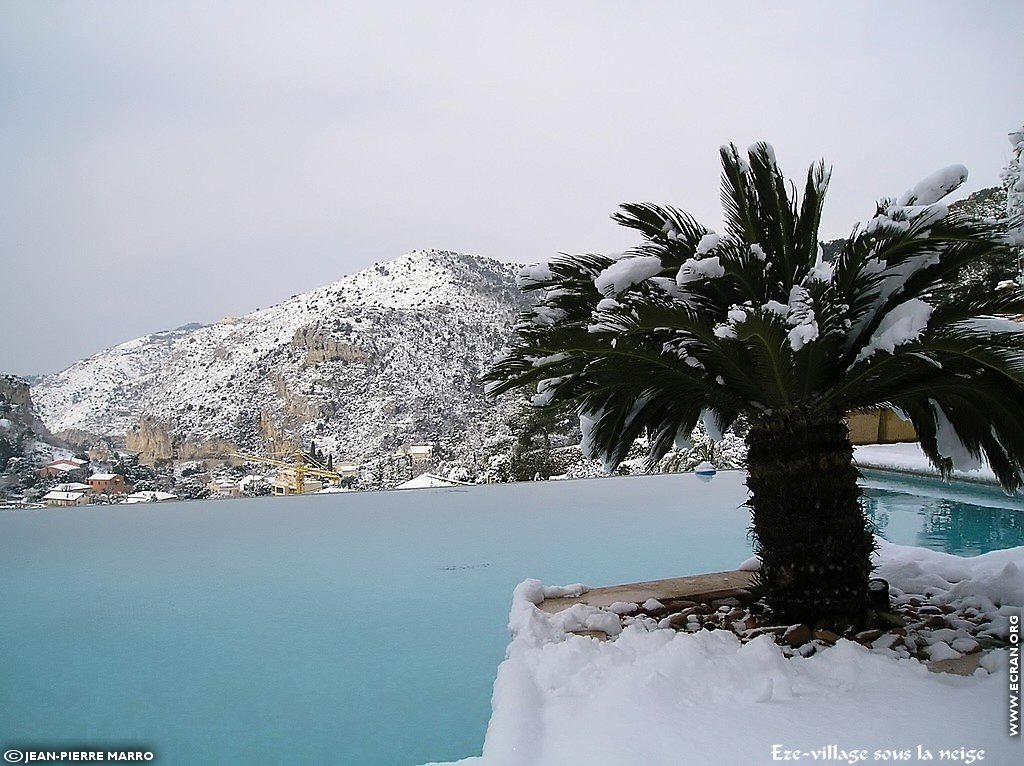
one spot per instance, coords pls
(879, 427)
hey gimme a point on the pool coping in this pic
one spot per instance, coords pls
(699, 588)
(926, 473)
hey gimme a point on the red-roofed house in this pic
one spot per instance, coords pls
(107, 483)
(67, 467)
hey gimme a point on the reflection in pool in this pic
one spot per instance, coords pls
(958, 517)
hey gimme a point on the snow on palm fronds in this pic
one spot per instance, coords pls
(693, 325)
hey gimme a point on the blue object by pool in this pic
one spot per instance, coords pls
(359, 628)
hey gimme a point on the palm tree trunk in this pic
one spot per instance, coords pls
(809, 526)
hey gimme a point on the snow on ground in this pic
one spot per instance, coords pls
(910, 458)
(655, 696)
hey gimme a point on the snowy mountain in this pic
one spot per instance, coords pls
(389, 356)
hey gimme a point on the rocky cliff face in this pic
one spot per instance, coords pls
(388, 356)
(20, 427)
(17, 408)
(154, 441)
(320, 346)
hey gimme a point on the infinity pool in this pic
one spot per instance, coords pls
(360, 628)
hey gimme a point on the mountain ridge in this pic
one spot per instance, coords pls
(388, 355)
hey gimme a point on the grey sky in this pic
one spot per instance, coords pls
(162, 163)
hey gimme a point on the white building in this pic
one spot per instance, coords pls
(149, 497)
(428, 481)
(58, 498)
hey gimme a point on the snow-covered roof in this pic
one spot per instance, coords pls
(69, 496)
(63, 465)
(72, 486)
(427, 480)
(67, 461)
(104, 476)
(150, 497)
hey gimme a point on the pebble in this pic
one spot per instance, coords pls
(677, 621)
(942, 651)
(867, 636)
(827, 636)
(885, 641)
(936, 633)
(943, 634)
(966, 645)
(797, 635)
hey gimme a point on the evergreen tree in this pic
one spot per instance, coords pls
(1013, 181)
(692, 326)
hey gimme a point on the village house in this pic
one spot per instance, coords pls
(107, 483)
(65, 467)
(224, 488)
(417, 453)
(72, 486)
(285, 483)
(150, 497)
(347, 470)
(58, 498)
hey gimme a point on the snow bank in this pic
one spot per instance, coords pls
(992, 583)
(910, 458)
(655, 696)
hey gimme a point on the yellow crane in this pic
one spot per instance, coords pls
(300, 465)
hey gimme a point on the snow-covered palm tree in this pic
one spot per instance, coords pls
(692, 326)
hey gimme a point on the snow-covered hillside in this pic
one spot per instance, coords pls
(387, 356)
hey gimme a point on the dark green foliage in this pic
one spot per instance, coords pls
(138, 476)
(532, 455)
(8, 449)
(758, 324)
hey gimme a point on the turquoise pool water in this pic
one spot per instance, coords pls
(360, 628)
(958, 517)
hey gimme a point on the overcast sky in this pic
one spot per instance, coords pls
(170, 162)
